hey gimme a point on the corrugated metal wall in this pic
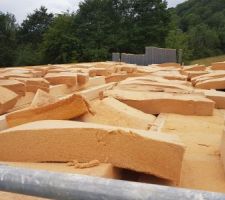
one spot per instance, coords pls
(153, 55)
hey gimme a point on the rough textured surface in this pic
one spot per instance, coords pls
(67, 78)
(67, 108)
(202, 166)
(217, 96)
(95, 92)
(66, 140)
(158, 102)
(42, 98)
(82, 78)
(194, 68)
(14, 85)
(146, 84)
(218, 66)
(222, 149)
(110, 111)
(217, 83)
(23, 102)
(8, 99)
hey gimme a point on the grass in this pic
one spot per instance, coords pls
(208, 61)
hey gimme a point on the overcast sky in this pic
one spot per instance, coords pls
(20, 8)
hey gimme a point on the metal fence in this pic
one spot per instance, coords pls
(80, 187)
(153, 55)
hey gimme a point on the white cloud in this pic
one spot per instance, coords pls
(20, 8)
(23, 7)
(173, 3)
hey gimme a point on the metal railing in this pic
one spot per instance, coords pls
(64, 186)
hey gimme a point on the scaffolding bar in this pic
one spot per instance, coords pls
(64, 186)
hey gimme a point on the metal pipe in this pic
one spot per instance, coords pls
(80, 187)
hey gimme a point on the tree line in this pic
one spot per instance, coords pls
(100, 27)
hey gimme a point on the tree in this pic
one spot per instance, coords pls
(8, 30)
(34, 26)
(60, 43)
(204, 41)
(150, 23)
(95, 27)
(176, 39)
(30, 36)
(120, 25)
(204, 23)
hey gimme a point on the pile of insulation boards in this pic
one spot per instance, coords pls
(160, 124)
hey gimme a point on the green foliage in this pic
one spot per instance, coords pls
(204, 41)
(30, 37)
(98, 28)
(204, 23)
(8, 29)
(60, 43)
(176, 39)
(106, 26)
(27, 55)
(34, 26)
(208, 61)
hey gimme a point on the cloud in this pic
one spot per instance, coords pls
(21, 8)
(173, 3)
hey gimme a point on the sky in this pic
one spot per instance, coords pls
(20, 8)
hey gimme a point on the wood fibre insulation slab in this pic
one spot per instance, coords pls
(42, 98)
(35, 88)
(169, 65)
(82, 78)
(217, 96)
(170, 75)
(14, 85)
(217, 83)
(159, 80)
(9, 75)
(159, 122)
(194, 68)
(96, 92)
(202, 167)
(115, 77)
(3, 123)
(60, 90)
(33, 84)
(13, 196)
(96, 81)
(205, 77)
(67, 140)
(161, 102)
(222, 149)
(147, 85)
(110, 111)
(67, 78)
(129, 68)
(218, 66)
(98, 72)
(41, 82)
(193, 74)
(23, 102)
(8, 99)
(67, 108)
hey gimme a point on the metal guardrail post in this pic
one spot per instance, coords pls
(80, 187)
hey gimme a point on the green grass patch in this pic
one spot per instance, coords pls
(209, 60)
